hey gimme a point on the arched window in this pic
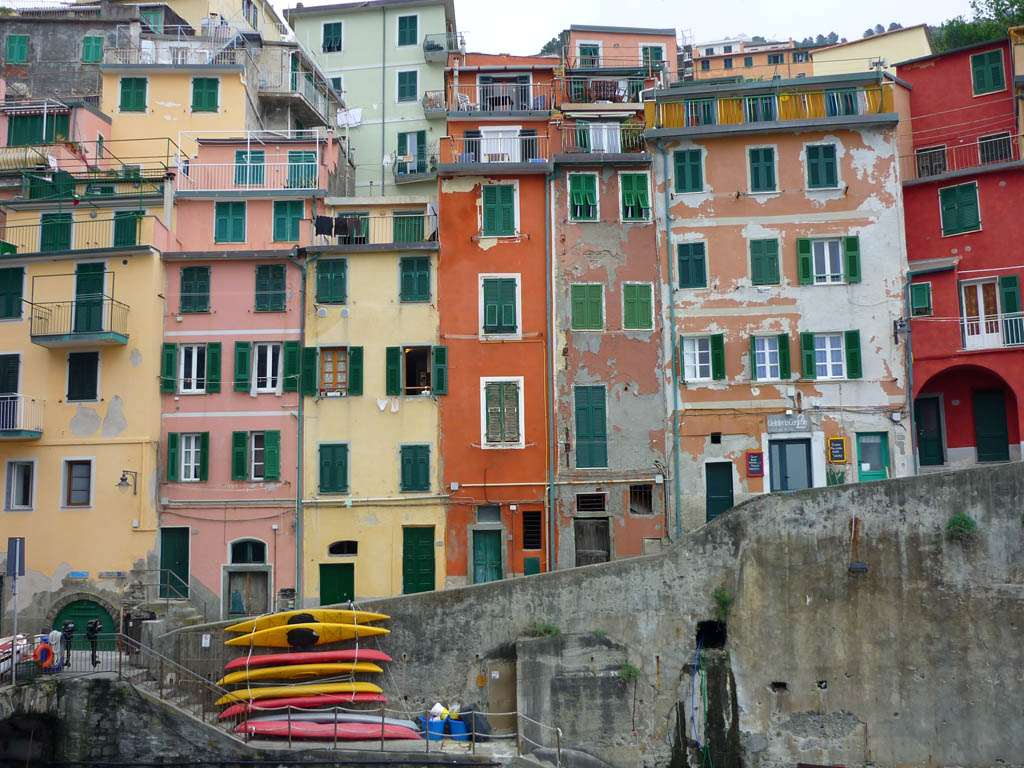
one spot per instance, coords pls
(343, 548)
(248, 551)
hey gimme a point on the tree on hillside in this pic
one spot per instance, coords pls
(893, 26)
(553, 47)
(990, 21)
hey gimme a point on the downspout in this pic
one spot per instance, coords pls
(909, 360)
(675, 351)
(549, 364)
(383, 90)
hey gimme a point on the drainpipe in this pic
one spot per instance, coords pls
(383, 89)
(549, 364)
(675, 351)
(909, 359)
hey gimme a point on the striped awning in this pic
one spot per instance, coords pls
(13, 158)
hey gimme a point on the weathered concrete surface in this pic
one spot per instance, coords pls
(915, 662)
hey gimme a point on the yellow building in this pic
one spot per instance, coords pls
(373, 507)
(862, 55)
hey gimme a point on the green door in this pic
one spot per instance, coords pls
(82, 612)
(337, 583)
(174, 543)
(9, 368)
(408, 227)
(88, 298)
(417, 560)
(126, 228)
(301, 169)
(718, 479)
(990, 425)
(486, 556)
(55, 232)
(928, 419)
(872, 456)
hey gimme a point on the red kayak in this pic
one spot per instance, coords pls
(303, 702)
(326, 731)
(307, 657)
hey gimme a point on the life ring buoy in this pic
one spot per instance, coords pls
(43, 655)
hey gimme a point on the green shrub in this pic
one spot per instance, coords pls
(961, 526)
(545, 629)
(723, 600)
(629, 672)
(600, 633)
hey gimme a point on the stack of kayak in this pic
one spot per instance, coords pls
(300, 693)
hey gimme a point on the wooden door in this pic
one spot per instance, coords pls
(501, 695)
(88, 298)
(417, 560)
(928, 419)
(82, 612)
(337, 583)
(718, 488)
(174, 544)
(990, 432)
(486, 556)
(593, 543)
(247, 593)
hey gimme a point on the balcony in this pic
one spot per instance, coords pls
(62, 233)
(416, 166)
(597, 90)
(500, 100)
(198, 179)
(495, 152)
(588, 58)
(588, 143)
(360, 231)
(436, 47)
(308, 100)
(172, 55)
(942, 161)
(997, 331)
(90, 183)
(89, 320)
(434, 105)
(21, 417)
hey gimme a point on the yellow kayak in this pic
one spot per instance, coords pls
(322, 615)
(298, 672)
(288, 691)
(305, 635)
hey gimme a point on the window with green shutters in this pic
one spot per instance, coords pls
(689, 175)
(587, 306)
(416, 370)
(126, 228)
(256, 456)
(831, 355)
(334, 468)
(828, 261)
(243, 366)
(769, 358)
(499, 210)
(332, 37)
(83, 370)
(415, 278)
(407, 85)
(331, 281)
(249, 170)
(959, 207)
(500, 305)
(822, 172)
(12, 281)
(30, 129)
(987, 72)
(637, 309)
(17, 49)
(408, 33)
(764, 262)
(692, 265)
(583, 197)
(229, 222)
(302, 172)
(205, 94)
(133, 94)
(762, 169)
(501, 408)
(748, 61)
(55, 232)
(921, 299)
(271, 292)
(591, 427)
(188, 457)
(288, 220)
(195, 290)
(332, 371)
(92, 49)
(636, 202)
(415, 461)
(408, 226)
(154, 20)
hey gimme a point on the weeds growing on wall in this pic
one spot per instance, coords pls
(545, 629)
(961, 526)
(723, 601)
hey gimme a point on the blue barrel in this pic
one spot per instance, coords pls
(434, 729)
(458, 730)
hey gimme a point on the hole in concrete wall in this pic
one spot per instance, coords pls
(779, 687)
(711, 634)
(822, 685)
(716, 438)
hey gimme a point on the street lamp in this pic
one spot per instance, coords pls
(123, 482)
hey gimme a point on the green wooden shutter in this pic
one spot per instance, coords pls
(814, 166)
(169, 368)
(578, 299)
(688, 177)
(785, 371)
(947, 202)
(803, 261)
(440, 372)
(17, 49)
(921, 299)
(753, 358)
(393, 371)
(507, 209)
(967, 207)
(173, 457)
(757, 262)
(717, 356)
(239, 455)
(355, 370)
(591, 427)
(1009, 291)
(204, 456)
(310, 374)
(698, 265)
(507, 305)
(853, 358)
(12, 279)
(328, 478)
(243, 365)
(492, 305)
(271, 455)
(808, 357)
(851, 258)
(830, 171)
(996, 74)
(213, 367)
(490, 209)
(205, 91)
(291, 367)
(237, 211)
(630, 310)
(92, 49)
(281, 217)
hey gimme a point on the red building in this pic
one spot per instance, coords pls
(963, 183)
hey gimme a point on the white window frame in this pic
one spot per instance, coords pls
(189, 471)
(252, 456)
(99, 375)
(622, 303)
(640, 51)
(695, 353)
(419, 35)
(750, 179)
(181, 369)
(502, 130)
(519, 304)
(650, 197)
(325, 23)
(8, 485)
(568, 195)
(405, 71)
(766, 375)
(483, 415)
(604, 128)
(829, 348)
(65, 479)
(278, 374)
(600, 50)
(828, 275)
(515, 208)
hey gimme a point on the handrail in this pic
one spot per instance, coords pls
(945, 156)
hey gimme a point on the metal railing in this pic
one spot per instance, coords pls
(501, 97)
(176, 55)
(622, 59)
(206, 177)
(90, 182)
(495, 149)
(97, 313)
(439, 45)
(936, 160)
(359, 229)
(410, 166)
(63, 233)
(286, 81)
(993, 331)
(434, 100)
(594, 138)
(587, 90)
(21, 412)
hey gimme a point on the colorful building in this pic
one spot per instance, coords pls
(881, 51)
(962, 183)
(781, 210)
(740, 57)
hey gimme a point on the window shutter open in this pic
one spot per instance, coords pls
(213, 367)
(808, 359)
(507, 209)
(717, 356)
(239, 455)
(243, 365)
(169, 368)
(204, 456)
(753, 358)
(310, 383)
(785, 371)
(967, 207)
(440, 372)
(1009, 290)
(948, 202)
(490, 212)
(803, 261)
(271, 455)
(355, 370)
(173, 456)
(492, 401)
(851, 258)
(393, 371)
(921, 299)
(291, 366)
(853, 358)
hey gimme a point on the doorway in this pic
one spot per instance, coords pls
(981, 315)
(928, 419)
(174, 544)
(248, 593)
(872, 456)
(82, 612)
(337, 583)
(990, 432)
(89, 279)
(486, 556)
(417, 560)
(790, 464)
(593, 543)
(718, 492)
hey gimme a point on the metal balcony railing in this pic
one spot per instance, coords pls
(286, 81)
(501, 97)
(92, 314)
(176, 55)
(216, 177)
(438, 46)
(644, 58)
(62, 232)
(993, 331)
(359, 229)
(937, 160)
(589, 90)
(20, 412)
(416, 163)
(86, 181)
(434, 101)
(595, 138)
(496, 149)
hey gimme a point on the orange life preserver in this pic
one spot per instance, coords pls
(43, 655)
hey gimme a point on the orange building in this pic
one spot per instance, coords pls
(738, 57)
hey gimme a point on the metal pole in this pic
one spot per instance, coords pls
(426, 728)
(14, 639)
(558, 748)
(336, 728)
(519, 741)
(290, 728)
(161, 681)
(381, 727)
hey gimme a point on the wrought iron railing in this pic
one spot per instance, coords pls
(592, 138)
(501, 97)
(360, 229)
(495, 149)
(95, 313)
(21, 412)
(993, 331)
(939, 159)
(205, 177)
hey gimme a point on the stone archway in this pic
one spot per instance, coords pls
(73, 597)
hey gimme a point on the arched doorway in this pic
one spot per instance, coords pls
(82, 612)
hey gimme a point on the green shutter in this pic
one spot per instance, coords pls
(229, 222)
(173, 457)
(334, 468)
(331, 281)
(17, 49)
(415, 473)
(92, 49)
(12, 279)
(415, 278)
(243, 365)
(587, 313)
(440, 372)
(692, 265)
(717, 356)
(204, 456)
(490, 209)
(967, 207)
(239, 455)
(853, 359)
(291, 367)
(637, 306)
(407, 30)
(506, 209)
(921, 299)
(753, 358)
(851, 258)
(764, 262)
(785, 372)
(169, 368)
(830, 171)
(393, 371)
(762, 170)
(133, 94)
(213, 367)
(591, 427)
(205, 93)
(948, 198)
(492, 305)
(407, 86)
(987, 72)
(310, 374)
(814, 166)
(271, 294)
(195, 289)
(1009, 290)
(688, 176)
(355, 370)
(803, 261)
(271, 455)
(807, 357)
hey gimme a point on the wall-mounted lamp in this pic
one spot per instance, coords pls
(123, 482)
(899, 325)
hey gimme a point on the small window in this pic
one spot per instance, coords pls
(709, 51)
(996, 148)
(331, 281)
(133, 94)
(92, 49)
(828, 356)
(697, 358)
(591, 502)
(637, 306)
(959, 206)
(248, 552)
(726, 49)
(336, 84)
(77, 483)
(987, 72)
(500, 306)
(583, 197)
(828, 261)
(205, 94)
(192, 373)
(153, 21)
(191, 453)
(12, 281)
(83, 376)
(267, 367)
(587, 307)
(636, 204)
(502, 402)
(195, 290)
(764, 262)
(343, 548)
(689, 175)
(641, 499)
(748, 61)
(257, 455)
(229, 218)
(775, 58)
(488, 513)
(415, 467)
(334, 468)
(800, 57)
(920, 299)
(762, 169)
(415, 278)
(692, 265)
(20, 485)
(333, 370)
(408, 30)
(417, 370)
(331, 38)
(407, 85)
(499, 212)
(533, 530)
(17, 49)
(766, 358)
(271, 291)
(705, 65)
(727, 63)
(288, 220)
(822, 172)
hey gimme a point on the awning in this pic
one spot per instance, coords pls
(926, 266)
(14, 158)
